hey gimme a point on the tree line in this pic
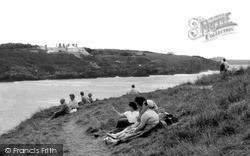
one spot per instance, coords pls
(17, 46)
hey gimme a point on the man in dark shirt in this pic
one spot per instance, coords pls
(64, 110)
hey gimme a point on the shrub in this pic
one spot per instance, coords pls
(208, 79)
(126, 54)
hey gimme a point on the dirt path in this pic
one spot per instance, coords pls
(80, 144)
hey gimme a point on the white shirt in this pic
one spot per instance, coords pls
(151, 117)
(226, 65)
(73, 104)
(131, 116)
(133, 91)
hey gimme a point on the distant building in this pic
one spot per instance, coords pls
(66, 48)
(73, 49)
(52, 50)
(44, 47)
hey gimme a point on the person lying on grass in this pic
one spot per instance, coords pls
(148, 120)
(127, 118)
(64, 110)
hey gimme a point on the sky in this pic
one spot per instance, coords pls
(154, 25)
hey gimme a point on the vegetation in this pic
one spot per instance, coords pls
(17, 46)
(23, 63)
(213, 121)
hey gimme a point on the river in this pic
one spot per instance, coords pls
(19, 100)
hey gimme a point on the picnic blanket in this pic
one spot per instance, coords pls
(131, 135)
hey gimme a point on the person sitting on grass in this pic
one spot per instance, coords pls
(84, 99)
(127, 118)
(73, 105)
(133, 90)
(90, 98)
(154, 106)
(64, 110)
(143, 109)
(120, 124)
(149, 119)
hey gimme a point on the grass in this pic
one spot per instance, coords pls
(211, 121)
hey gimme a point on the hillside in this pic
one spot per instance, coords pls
(211, 122)
(34, 64)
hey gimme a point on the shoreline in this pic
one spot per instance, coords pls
(202, 71)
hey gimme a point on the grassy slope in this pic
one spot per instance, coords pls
(20, 64)
(212, 122)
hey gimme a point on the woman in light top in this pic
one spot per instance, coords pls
(73, 105)
(148, 120)
(129, 117)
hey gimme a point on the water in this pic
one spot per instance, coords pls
(235, 67)
(19, 100)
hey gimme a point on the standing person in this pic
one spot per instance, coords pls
(224, 66)
(133, 90)
(73, 105)
(84, 99)
(90, 98)
(64, 110)
(127, 118)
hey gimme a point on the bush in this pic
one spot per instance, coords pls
(17, 46)
(208, 79)
(126, 54)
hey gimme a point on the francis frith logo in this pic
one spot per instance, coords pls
(212, 27)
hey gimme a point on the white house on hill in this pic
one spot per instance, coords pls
(69, 48)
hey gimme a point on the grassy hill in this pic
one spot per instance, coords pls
(30, 63)
(211, 122)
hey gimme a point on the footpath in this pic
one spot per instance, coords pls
(80, 144)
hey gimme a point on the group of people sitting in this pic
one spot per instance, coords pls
(144, 115)
(72, 105)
